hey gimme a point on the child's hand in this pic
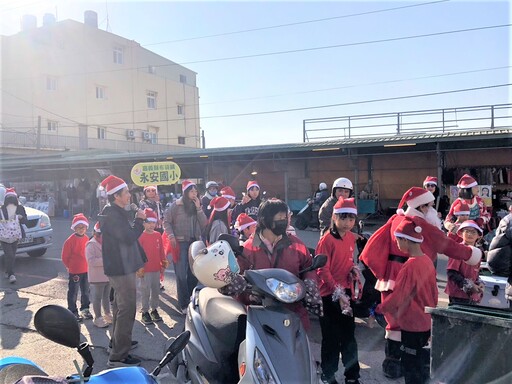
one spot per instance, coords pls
(165, 263)
(140, 273)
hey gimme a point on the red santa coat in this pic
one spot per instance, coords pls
(468, 271)
(152, 244)
(73, 254)
(340, 260)
(416, 288)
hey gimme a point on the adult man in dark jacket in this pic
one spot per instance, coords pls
(499, 256)
(122, 257)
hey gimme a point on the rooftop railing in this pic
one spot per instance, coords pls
(430, 121)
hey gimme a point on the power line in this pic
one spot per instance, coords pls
(344, 45)
(295, 23)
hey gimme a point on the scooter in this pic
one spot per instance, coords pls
(59, 325)
(258, 343)
(303, 218)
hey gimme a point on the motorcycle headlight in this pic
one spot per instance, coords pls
(261, 369)
(287, 293)
(44, 222)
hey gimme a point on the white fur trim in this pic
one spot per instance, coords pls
(152, 219)
(473, 184)
(346, 210)
(461, 213)
(79, 222)
(404, 236)
(393, 335)
(472, 225)
(384, 285)
(243, 226)
(229, 197)
(118, 188)
(424, 198)
(476, 256)
(400, 212)
(222, 208)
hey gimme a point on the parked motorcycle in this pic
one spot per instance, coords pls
(230, 342)
(59, 325)
(304, 217)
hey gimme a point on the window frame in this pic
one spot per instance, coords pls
(181, 140)
(52, 125)
(151, 99)
(102, 132)
(118, 55)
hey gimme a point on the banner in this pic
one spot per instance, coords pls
(158, 173)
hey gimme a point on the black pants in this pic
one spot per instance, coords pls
(338, 337)
(415, 359)
(78, 282)
(9, 256)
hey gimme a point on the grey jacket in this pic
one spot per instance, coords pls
(178, 223)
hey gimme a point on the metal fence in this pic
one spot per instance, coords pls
(408, 123)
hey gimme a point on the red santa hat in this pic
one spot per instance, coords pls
(252, 183)
(10, 192)
(150, 215)
(113, 184)
(467, 181)
(186, 184)
(416, 196)
(469, 224)
(79, 218)
(219, 203)
(461, 209)
(430, 180)
(228, 193)
(410, 230)
(345, 206)
(97, 228)
(150, 187)
(244, 221)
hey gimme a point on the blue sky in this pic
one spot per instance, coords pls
(311, 78)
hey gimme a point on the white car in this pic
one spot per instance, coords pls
(38, 231)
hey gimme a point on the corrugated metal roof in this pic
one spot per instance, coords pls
(94, 156)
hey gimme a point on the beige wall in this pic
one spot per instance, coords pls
(80, 57)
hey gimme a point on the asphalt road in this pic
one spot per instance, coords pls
(43, 281)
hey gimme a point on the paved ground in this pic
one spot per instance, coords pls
(43, 281)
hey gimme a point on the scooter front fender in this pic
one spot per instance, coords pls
(281, 340)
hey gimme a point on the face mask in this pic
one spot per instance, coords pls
(279, 228)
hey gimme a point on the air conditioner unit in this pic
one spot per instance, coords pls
(130, 134)
(146, 136)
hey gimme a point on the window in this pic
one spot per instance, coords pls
(183, 79)
(181, 140)
(118, 55)
(101, 92)
(154, 138)
(151, 97)
(180, 109)
(52, 126)
(151, 69)
(102, 133)
(51, 83)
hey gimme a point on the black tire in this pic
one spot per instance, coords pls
(301, 223)
(37, 252)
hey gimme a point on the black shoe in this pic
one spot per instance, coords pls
(155, 316)
(135, 344)
(146, 318)
(78, 317)
(128, 361)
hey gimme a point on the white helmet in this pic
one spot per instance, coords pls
(211, 184)
(322, 186)
(214, 265)
(342, 182)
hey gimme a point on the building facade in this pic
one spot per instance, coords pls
(72, 86)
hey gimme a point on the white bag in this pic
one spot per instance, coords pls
(10, 229)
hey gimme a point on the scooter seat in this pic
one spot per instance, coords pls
(222, 316)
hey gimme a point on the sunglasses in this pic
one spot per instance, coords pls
(430, 185)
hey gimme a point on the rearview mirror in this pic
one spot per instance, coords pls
(58, 324)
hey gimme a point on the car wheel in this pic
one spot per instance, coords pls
(37, 252)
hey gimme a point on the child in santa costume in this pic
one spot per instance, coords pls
(385, 259)
(463, 286)
(337, 279)
(415, 289)
(468, 193)
(245, 226)
(73, 257)
(152, 244)
(461, 214)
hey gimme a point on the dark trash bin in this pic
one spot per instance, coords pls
(471, 345)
